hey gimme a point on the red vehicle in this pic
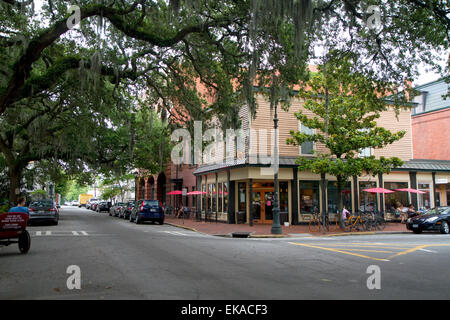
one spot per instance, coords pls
(13, 230)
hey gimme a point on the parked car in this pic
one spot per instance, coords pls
(94, 205)
(126, 211)
(103, 206)
(147, 210)
(43, 210)
(75, 203)
(90, 202)
(116, 209)
(437, 219)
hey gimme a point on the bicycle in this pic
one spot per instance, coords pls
(355, 222)
(316, 224)
(375, 222)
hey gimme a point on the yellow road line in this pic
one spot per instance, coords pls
(362, 246)
(418, 248)
(340, 251)
(365, 250)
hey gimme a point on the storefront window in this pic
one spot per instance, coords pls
(220, 196)
(392, 200)
(209, 196)
(214, 198)
(242, 196)
(333, 196)
(424, 200)
(203, 197)
(284, 196)
(309, 197)
(225, 197)
(367, 200)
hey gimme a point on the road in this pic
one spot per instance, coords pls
(122, 260)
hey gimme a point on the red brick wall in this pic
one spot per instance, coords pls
(431, 135)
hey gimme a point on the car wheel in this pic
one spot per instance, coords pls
(55, 223)
(444, 227)
(417, 231)
(24, 242)
(161, 222)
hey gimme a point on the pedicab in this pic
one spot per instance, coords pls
(13, 230)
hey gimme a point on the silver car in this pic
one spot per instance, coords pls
(43, 210)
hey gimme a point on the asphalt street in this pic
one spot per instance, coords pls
(122, 260)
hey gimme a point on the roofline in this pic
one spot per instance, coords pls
(429, 83)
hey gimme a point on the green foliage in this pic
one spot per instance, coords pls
(39, 194)
(75, 190)
(346, 105)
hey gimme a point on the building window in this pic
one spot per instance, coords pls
(392, 200)
(367, 200)
(309, 197)
(308, 146)
(203, 197)
(242, 196)
(220, 195)
(332, 196)
(284, 196)
(424, 200)
(209, 196)
(214, 198)
(225, 197)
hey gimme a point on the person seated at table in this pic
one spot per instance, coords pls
(183, 211)
(411, 211)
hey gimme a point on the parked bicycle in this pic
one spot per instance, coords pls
(316, 224)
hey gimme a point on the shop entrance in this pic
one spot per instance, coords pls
(262, 204)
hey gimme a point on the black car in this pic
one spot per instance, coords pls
(147, 210)
(103, 206)
(437, 219)
(126, 211)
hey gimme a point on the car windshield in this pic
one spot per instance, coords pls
(439, 210)
(42, 203)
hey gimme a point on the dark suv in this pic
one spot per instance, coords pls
(147, 210)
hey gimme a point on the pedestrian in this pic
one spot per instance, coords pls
(345, 213)
(20, 206)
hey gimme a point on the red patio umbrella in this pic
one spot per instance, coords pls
(410, 190)
(378, 190)
(175, 192)
(195, 193)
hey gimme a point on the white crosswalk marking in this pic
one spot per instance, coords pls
(60, 233)
(48, 233)
(84, 233)
(75, 233)
(39, 233)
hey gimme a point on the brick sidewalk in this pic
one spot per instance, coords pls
(221, 228)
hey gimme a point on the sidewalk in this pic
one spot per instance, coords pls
(258, 230)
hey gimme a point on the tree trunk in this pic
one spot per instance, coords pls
(14, 175)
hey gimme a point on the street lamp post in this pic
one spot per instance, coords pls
(136, 174)
(276, 227)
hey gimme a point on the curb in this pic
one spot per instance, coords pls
(267, 236)
(183, 227)
(362, 233)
